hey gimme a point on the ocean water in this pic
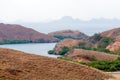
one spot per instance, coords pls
(33, 48)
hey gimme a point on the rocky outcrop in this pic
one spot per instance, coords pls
(87, 55)
(68, 34)
(18, 32)
(17, 65)
(65, 43)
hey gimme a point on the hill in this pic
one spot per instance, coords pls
(17, 65)
(67, 34)
(95, 42)
(65, 43)
(12, 33)
(115, 34)
(87, 55)
(115, 46)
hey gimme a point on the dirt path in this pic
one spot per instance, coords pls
(116, 75)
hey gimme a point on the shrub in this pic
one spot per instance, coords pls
(64, 50)
(97, 37)
(105, 65)
(62, 37)
(104, 42)
(65, 58)
(96, 49)
(51, 52)
(91, 58)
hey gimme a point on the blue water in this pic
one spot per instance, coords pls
(34, 48)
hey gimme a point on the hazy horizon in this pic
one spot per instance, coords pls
(68, 23)
(47, 10)
(87, 16)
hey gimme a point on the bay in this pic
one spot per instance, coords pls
(33, 48)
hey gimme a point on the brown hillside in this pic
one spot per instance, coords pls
(80, 54)
(16, 65)
(71, 43)
(18, 32)
(65, 43)
(71, 33)
(113, 33)
(115, 46)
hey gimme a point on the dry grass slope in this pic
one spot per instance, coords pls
(17, 65)
(113, 33)
(80, 53)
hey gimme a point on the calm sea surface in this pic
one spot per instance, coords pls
(34, 48)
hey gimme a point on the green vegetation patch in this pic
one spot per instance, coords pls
(51, 52)
(91, 58)
(105, 65)
(104, 42)
(65, 58)
(64, 50)
(14, 41)
(62, 37)
(101, 41)
(95, 49)
(3, 78)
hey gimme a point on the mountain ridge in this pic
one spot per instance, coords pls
(11, 32)
(89, 27)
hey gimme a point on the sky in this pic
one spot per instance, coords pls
(43, 10)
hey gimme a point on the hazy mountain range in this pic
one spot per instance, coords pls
(88, 27)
